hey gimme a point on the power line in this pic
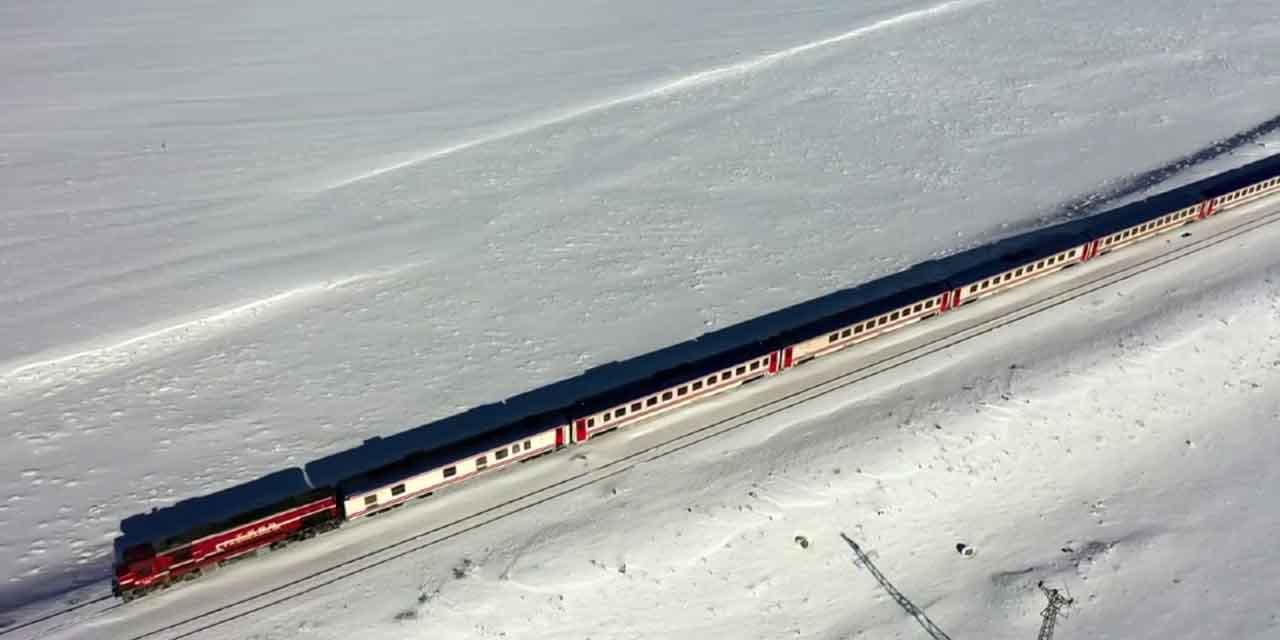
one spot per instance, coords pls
(902, 600)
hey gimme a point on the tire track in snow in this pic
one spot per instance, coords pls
(100, 359)
(685, 83)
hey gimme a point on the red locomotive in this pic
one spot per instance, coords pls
(155, 565)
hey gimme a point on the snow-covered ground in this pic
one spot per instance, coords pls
(1151, 503)
(236, 237)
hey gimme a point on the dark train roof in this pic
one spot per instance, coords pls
(1123, 217)
(196, 517)
(1015, 252)
(859, 312)
(835, 318)
(668, 377)
(1051, 240)
(420, 461)
(1242, 177)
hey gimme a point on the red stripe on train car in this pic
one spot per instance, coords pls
(1206, 209)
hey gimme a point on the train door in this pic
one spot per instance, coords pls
(562, 436)
(950, 300)
(780, 360)
(580, 428)
(1206, 209)
(1090, 251)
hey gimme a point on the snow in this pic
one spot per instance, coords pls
(238, 237)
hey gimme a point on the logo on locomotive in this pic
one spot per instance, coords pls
(247, 536)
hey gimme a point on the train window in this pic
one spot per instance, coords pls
(1018, 272)
(619, 412)
(918, 308)
(667, 396)
(985, 284)
(755, 365)
(608, 416)
(846, 333)
(1040, 265)
(528, 445)
(711, 380)
(697, 385)
(833, 337)
(482, 461)
(682, 390)
(635, 406)
(651, 401)
(973, 289)
(500, 454)
(857, 329)
(591, 422)
(450, 472)
(928, 304)
(741, 370)
(397, 490)
(1008, 277)
(882, 321)
(893, 316)
(373, 499)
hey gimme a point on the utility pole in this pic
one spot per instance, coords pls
(1051, 611)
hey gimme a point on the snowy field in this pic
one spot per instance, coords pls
(240, 237)
(1151, 504)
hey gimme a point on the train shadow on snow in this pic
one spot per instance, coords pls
(1122, 188)
(1067, 218)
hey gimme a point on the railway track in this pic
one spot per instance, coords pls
(868, 365)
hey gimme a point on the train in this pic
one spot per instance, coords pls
(158, 563)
